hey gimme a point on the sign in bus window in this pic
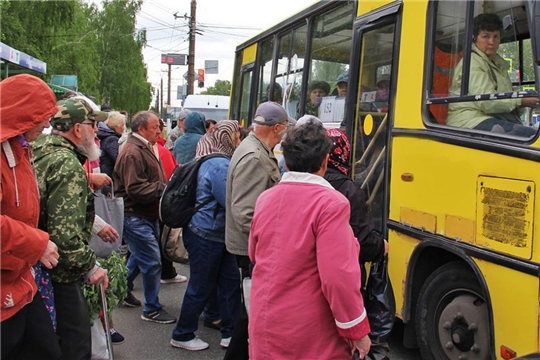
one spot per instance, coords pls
(332, 109)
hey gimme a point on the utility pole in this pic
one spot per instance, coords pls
(191, 55)
(161, 98)
(169, 87)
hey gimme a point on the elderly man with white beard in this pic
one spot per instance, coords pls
(67, 214)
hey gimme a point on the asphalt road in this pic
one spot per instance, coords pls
(150, 341)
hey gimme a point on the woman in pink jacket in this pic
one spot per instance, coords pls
(305, 292)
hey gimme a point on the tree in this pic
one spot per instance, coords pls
(99, 45)
(221, 87)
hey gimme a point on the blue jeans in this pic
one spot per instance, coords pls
(211, 311)
(210, 265)
(142, 239)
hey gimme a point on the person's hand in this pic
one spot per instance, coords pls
(108, 234)
(385, 247)
(362, 345)
(50, 256)
(530, 102)
(100, 276)
(100, 180)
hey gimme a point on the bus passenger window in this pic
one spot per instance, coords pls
(331, 42)
(487, 103)
(290, 64)
(265, 73)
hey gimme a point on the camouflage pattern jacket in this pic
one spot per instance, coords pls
(66, 205)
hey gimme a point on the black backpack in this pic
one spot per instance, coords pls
(177, 203)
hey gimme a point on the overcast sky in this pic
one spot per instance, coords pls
(223, 24)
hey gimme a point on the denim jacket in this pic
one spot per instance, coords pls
(209, 221)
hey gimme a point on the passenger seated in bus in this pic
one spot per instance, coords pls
(341, 85)
(316, 90)
(383, 90)
(488, 75)
(277, 95)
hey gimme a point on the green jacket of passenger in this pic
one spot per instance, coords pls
(66, 205)
(486, 77)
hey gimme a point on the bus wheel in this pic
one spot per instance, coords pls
(452, 319)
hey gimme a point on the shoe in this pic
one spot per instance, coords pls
(216, 325)
(159, 316)
(195, 344)
(177, 279)
(116, 337)
(225, 342)
(131, 301)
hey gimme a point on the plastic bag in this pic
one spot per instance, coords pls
(111, 210)
(379, 302)
(100, 350)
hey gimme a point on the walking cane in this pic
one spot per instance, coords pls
(106, 321)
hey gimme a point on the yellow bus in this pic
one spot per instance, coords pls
(457, 202)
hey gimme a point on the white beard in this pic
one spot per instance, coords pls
(89, 148)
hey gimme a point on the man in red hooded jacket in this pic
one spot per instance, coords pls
(26, 104)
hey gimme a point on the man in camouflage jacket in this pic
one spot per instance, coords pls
(67, 214)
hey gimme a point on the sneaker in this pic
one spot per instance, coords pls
(195, 344)
(225, 342)
(177, 279)
(159, 316)
(131, 301)
(116, 337)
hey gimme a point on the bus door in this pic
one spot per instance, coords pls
(368, 121)
(243, 95)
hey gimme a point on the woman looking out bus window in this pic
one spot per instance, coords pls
(488, 75)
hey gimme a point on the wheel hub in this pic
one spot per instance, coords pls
(460, 328)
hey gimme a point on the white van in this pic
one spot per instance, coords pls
(215, 107)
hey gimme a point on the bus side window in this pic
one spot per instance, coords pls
(472, 88)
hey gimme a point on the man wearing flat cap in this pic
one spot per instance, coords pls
(252, 170)
(67, 214)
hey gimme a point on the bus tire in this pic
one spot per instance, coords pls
(452, 320)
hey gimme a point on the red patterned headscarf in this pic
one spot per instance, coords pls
(221, 139)
(341, 151)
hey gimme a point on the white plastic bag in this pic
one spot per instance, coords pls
(99, 341)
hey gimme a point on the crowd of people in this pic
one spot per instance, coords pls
(249, 222)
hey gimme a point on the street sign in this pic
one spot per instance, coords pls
(211, 66)
(173, 59)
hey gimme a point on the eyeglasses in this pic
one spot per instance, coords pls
(93, 123)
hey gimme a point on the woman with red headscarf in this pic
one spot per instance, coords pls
(372, 245)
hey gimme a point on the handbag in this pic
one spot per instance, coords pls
(111, 210)
(172, 245)
(380, 302)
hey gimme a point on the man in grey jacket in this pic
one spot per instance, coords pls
(253, 169)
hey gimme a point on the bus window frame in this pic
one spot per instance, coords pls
(236, 94)
(427, 117)
(244, 70)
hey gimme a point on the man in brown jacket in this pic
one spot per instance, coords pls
(140, 180)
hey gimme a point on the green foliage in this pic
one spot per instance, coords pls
(117, 290)
(326, 71)
(98, 44)
(221, 87)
